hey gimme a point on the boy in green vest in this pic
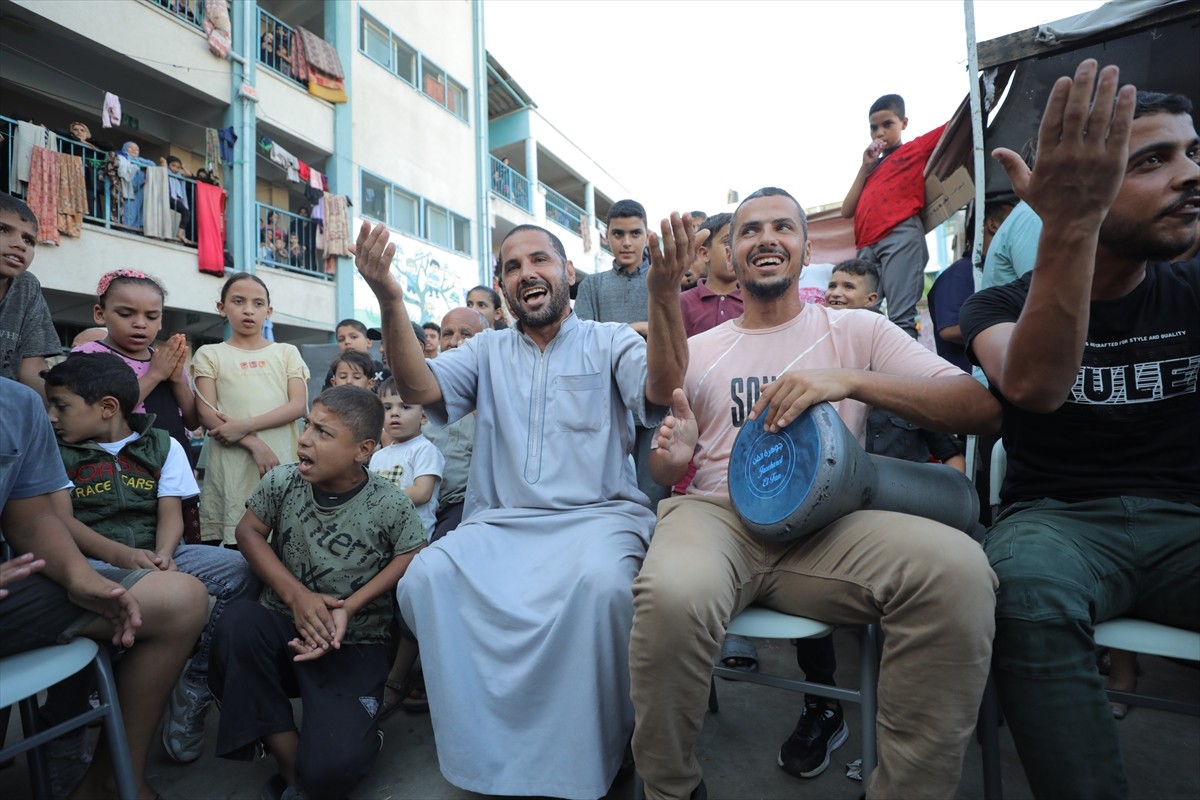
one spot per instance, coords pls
(126, 510)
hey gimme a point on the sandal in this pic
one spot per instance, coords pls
(387, 709)
(416, 701)
(737, 652)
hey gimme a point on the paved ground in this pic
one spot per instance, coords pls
(737, 750)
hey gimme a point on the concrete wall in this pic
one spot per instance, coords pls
(166, 44)
(286, 104)
(401, 134)
(76, 265)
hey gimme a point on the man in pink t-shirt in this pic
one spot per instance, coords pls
(928, 585)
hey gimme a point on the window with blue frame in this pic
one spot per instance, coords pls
(411, 214)
(378, 43)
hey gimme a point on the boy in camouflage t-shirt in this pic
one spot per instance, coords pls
(340, 539)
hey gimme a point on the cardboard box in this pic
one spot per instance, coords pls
(944, 197)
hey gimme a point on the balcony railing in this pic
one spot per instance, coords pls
(602, 229)
(276, 43)
(190, 11)
(561, 210)
(288, 241)
(107, 207)
(511, 185)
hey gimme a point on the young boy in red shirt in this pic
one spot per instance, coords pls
(885, 201)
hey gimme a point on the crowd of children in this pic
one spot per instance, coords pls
(314, 513)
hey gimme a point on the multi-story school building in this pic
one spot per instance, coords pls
(383, 104)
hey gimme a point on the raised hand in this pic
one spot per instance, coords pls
(678, 252)
(1082, 151)
(166, 359)
(871, 154)
(677, 436)
(373, 259)
(181, 364)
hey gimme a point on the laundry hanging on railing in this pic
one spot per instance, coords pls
(42, 196)
(110, 114)
(316, 63)
(283, 158)
(210, 228)
(217, 27)
(27, 136)
(72, 195)
(156, 204)
(337, 230)
(212, 153)
(228, 140)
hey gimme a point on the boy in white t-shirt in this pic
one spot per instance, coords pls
(411, 461)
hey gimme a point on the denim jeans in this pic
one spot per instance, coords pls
(227, 577)
(1063, 567)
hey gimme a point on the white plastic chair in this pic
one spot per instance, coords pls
(24, 675)
(1122, 633)
(759, 622)
(1151, 638)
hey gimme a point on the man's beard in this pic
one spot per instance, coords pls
(1137, 239)
(771, 289)
(560, 297)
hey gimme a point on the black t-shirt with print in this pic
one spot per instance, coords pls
(1131, 425)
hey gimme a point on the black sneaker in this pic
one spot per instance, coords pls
(820, 731)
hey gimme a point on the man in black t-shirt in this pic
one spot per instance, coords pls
(1094, 358)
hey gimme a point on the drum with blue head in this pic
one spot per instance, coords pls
(791, 483)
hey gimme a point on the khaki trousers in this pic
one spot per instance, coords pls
(928, 585)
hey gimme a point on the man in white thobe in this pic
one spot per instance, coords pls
(523, 613)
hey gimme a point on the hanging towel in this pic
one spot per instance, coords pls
(228, 140)
(217, 27)
(319, 66)
(210, 228)
(299, 62)
(337, 230)
(26, 137)
(331, 95)
(110, 115)
(212, 153)
(72, 195)
(43, 193)
(286, 160)
(156, 204)
(316, 180)
(321, 55)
